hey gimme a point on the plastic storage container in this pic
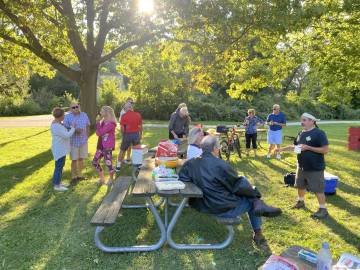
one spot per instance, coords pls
(354, 138)
(137, 154)
(330, 183)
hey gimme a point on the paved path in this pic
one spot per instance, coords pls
(45, 120)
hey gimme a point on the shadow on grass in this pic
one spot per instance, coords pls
(343, 204)
(46, 230)
(24, 138)
(348, 188)
(14, 173)
(339, 229)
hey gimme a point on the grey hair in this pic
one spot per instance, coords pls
(209, 142)
(194, 134)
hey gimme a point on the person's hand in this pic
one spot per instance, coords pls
(304, 147)
(98, 118)
(72, 125)
(271, 123)
(78, 130)
(176, 137)
(275, 123)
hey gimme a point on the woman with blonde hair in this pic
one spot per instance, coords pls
(251, 123)
(105, 130)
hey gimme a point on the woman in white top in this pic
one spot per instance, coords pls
(60, 146)
(196, 134)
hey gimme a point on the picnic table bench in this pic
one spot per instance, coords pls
(144, 187)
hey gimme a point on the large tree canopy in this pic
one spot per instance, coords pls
(85, 33)
(241, 44)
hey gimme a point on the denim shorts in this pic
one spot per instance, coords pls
(130, 139)
(274, 136)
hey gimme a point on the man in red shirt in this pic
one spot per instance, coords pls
(131, 129)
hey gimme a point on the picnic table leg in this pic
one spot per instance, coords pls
(138, 248)
(166, 210)
(174, 245)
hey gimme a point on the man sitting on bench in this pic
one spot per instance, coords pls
(225, 194)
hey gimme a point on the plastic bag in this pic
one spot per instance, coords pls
(166, 149)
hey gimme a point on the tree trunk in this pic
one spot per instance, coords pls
(88, 92)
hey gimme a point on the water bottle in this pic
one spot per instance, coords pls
(324, 260)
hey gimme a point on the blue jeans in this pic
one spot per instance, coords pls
(245, 205)
(59, 165)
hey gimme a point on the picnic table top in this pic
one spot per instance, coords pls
(145, 185)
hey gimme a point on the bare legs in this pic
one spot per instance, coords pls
(320, 197)
(271, 147)
(76, 168)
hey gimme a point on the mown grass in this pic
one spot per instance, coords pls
(40, 229)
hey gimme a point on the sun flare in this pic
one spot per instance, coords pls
(146, 6)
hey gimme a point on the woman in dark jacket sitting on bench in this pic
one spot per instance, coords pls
(225, 194)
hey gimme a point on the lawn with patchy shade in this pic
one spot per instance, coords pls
(40, 229)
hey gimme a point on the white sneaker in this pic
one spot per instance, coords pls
(268, 156)
(60, 188)
(278, 156)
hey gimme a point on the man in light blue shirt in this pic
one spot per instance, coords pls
(79, 140)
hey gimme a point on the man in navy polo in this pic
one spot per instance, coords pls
(276, 121)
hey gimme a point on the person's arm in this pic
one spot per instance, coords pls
(323, 145)
(184, 174)
(286, 148)
(141, 128)
(62, 131)
(186, 127)
(66, 122)
(246, 121)
(87, 126)
(268, 120)
(102, 130)
(321, 150)
(282, 122)
(172, 124)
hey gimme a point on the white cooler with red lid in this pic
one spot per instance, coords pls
(137, 154)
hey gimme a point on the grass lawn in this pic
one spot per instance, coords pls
(40, 229)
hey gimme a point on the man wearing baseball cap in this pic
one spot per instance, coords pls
(310, 145)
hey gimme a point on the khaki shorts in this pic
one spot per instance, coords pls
(312, 180)
(79, 152)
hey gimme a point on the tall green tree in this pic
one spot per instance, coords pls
(86, 33)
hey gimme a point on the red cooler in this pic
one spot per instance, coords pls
(354, 138)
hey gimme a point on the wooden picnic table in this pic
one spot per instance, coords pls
(144, 187)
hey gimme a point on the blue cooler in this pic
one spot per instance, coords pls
(330, 183)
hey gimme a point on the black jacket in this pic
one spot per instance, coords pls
(219, 183)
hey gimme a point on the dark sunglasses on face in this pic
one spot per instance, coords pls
(75, 107)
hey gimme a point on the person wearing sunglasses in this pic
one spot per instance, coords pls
(310, 145)
(79, 140)
(276, 121)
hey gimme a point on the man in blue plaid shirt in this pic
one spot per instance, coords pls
(78, 141)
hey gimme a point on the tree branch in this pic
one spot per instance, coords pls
(104, 28)
(34, 45)
(90, 17)
(73, 32)
(192, 42)
(126, 45)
